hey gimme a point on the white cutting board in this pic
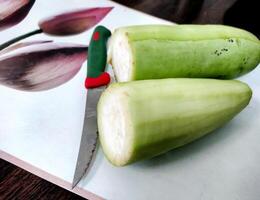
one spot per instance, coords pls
(41, 131)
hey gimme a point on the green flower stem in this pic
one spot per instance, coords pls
(14, 40)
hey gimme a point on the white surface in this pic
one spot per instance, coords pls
(223, 165)
(43, 129)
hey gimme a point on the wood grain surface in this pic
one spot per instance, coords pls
(16, 183)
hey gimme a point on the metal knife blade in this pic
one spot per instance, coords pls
(89, 135)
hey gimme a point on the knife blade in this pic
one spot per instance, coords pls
(89, 136)
(95, 83)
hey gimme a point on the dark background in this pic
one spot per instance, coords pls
(16, 183)
(240, 13)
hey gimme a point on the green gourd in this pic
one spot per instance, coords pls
(142, 119)
(170, 51)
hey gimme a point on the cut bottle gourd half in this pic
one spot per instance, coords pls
(141, 119)
(178, 51)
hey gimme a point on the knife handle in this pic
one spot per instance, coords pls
(97, 58)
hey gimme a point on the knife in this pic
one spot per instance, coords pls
(95, 83)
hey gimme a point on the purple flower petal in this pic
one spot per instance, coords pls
(13, 11)
(41, 66)
(22, 44)
(74, 22)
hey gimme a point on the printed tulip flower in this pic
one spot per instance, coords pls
(13, 12)
(22, 44)
(40, 65)
(69, 23)
(72, 23)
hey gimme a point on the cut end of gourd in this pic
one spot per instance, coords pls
(114, 127)
(121, 56)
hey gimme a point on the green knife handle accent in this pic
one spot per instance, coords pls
(97, 58)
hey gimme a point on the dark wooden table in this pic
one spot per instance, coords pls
(16, 183)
